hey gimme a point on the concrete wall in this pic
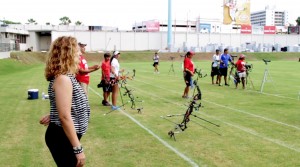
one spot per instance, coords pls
(158, 40)
(33, 41)
(4, 55)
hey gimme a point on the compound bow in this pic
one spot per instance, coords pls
(180, 127)
(128, 92)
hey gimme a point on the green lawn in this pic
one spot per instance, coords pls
(256, 129)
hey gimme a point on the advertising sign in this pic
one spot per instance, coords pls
(152, 26)
(269, 29)
(236, 12)
(246, 29)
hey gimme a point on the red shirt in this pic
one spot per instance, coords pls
(83, 77)
(240, 65)
(188, 64)
(105, 66)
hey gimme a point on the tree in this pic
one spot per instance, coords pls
(65, 20)
(10, 22)
(31, 21)
(78, 23)
(298, 21)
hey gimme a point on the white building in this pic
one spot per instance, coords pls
(269, 17)
(38, 37)
(201, 25)
(12, 38)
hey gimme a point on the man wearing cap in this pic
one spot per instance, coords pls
(225, 58)
(241, 69)
(188, 72)
(83, 76)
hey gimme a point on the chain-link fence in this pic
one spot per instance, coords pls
(6, 47)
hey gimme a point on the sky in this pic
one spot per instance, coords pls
(124, 13)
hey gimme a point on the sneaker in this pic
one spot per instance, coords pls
(114, 107)
(103, 102)
(227, 85)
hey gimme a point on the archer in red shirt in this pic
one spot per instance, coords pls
(105, 78)
(188, 72)
(241, 69)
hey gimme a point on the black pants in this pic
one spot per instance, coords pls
(60, 146)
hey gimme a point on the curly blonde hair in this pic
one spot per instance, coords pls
(63, 57)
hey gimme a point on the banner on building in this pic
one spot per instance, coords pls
(204, 28)
(269, 29)
(246, 29)
(152, 26)
(236, 12)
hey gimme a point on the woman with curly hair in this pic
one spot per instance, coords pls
(69, 107)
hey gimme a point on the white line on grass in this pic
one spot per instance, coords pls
(254, 115)
(255, 91)
(276, 95)
(236, 110)
(189, 160)
(278, 142)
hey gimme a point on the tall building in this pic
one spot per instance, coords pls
(270, 17)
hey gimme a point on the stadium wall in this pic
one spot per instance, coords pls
(135, 41)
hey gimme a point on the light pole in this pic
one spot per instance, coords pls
(169, 25)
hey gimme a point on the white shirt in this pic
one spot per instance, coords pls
(156, 58)
(116, 66)
(216, 60)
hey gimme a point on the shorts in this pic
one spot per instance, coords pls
(113, 81)
(242, 74)
(214, 71)
(106, 86)
(155, 63)
(187, 78)
(223, 71)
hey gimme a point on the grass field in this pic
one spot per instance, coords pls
(256, 129)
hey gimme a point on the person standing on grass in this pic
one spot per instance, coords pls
(69, 108)
(225, 58)
(188, 72)
(105, 79)
(215, 67)
(241, 69)
(83, 76)
(114, 77)
(156, 62)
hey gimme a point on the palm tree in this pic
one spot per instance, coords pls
(78, 23)
(65, 20)
(31, 21)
